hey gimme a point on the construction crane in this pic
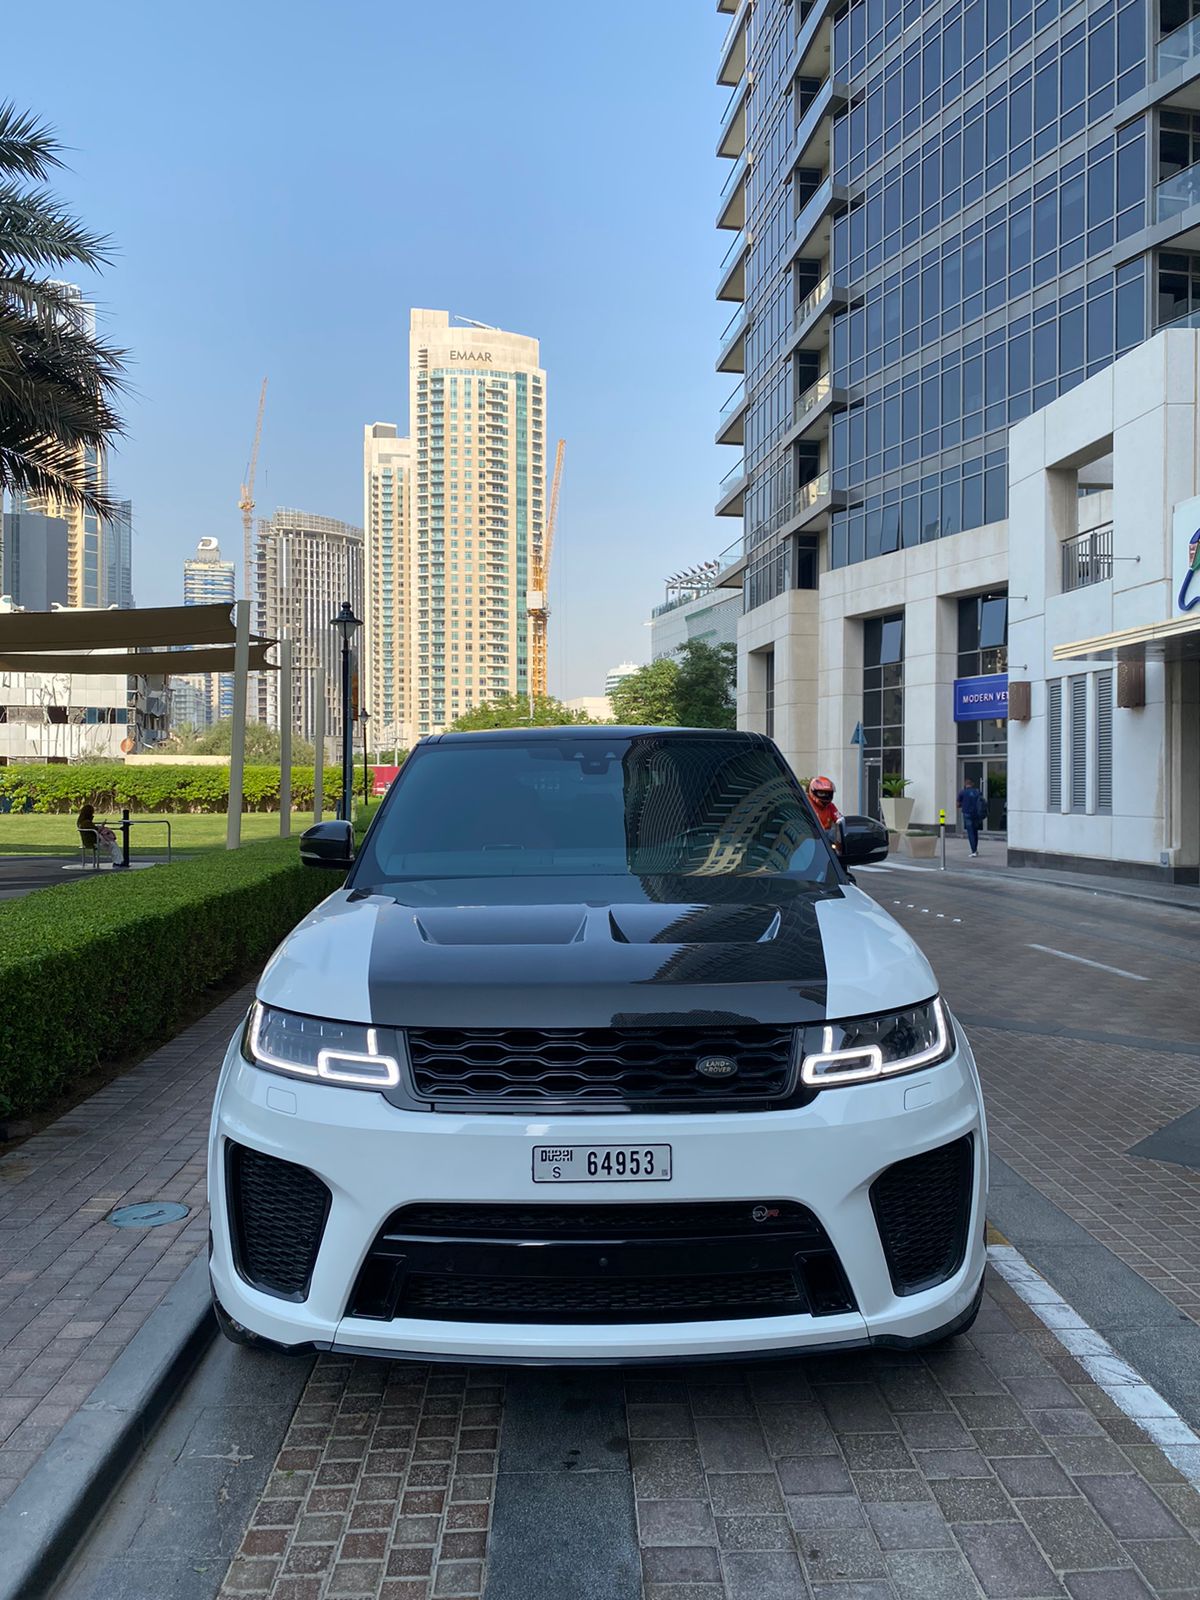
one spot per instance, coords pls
(246, 501)
(537, 599)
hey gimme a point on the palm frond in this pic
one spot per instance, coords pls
(27, 146)
(35, 229)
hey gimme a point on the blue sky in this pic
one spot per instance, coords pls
(284, 180)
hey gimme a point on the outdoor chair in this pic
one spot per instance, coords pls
(89, 840)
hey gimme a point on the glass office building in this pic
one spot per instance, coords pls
(941, 217)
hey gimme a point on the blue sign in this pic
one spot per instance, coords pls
(981, 699)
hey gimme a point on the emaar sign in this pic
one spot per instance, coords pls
(981, 699)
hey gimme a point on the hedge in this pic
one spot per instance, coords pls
(91, 971)
(152, 788)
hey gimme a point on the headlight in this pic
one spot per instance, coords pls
(346, 1053)
(878, 1047)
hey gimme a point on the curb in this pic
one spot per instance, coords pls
(44, 1521)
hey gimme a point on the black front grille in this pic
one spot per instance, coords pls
(676, 1262)
(566, 1300)
(601, 1066)
(922, 1209)
(277, 1211)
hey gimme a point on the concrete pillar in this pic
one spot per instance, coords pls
(237, 747)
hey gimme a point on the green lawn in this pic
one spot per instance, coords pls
(36, 833)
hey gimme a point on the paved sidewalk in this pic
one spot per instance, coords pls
(992, 862)
(73, 1288)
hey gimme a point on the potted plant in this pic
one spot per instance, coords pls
(897, 810)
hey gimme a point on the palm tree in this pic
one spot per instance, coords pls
(58, 381)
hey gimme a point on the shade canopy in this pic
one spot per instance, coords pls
(1174, 640)
(136, 629)
(154, 664)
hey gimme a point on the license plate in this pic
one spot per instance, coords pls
(601, 1163)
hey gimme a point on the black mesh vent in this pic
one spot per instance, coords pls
(601, 1066)
(747, 1294)
(666, 1262)
(922, 1208)
(278, 1213)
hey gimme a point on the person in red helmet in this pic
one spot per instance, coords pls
(821, 792)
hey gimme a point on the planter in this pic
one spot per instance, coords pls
(922, 846)
(897, 813)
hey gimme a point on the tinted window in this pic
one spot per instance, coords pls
(588, 807)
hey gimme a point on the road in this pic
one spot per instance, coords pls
(995, 1467)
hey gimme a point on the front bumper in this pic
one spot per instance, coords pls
(374, 1158)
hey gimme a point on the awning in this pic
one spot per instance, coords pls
(135, 629)
(153, 663)
(1176, 640)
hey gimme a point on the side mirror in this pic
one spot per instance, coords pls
(328, 844)
(863, 840)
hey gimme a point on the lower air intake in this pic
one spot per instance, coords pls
(922, 1209)
(277, 1211)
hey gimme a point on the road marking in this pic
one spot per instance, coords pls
(1123, 1384)
(1049, 950)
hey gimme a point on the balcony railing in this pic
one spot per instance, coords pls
(735, 403)
(815, 395)
(809, 493)
(1185, 319)
(1176, 193)
(735, 175)
(1179, 47)
(734, 328)
(811, 301)
(1087, 559)
(736, 246)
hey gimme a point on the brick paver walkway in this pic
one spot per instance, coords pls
(74, 1289)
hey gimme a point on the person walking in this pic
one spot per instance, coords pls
(973, 805)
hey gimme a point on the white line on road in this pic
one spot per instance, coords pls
(1101, 966)
(1156, 1417)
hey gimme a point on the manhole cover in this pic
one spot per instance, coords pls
(150, 1214)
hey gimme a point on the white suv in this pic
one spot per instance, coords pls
(598, 1055)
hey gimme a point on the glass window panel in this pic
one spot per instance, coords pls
(993, 624)
(891, 645)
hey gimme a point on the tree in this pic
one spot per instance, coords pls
(706, 690)
(262, 744)
(58, 381)
(646, 698)
(512, 711)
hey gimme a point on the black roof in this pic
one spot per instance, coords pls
(603, 730)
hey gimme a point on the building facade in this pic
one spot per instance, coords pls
(305, 566)
(455, 596)
(33, 559)
(118, 557)
(618, 674)
(943, 217)
(387, 578)
(207, 580)
(694, 608)
(1104, 732)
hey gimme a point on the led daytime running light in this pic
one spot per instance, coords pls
(862, 1063)
(332, 1065)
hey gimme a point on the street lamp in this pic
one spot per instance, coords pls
(347, 625)
(365, 714)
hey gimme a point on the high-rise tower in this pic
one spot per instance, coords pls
(207, 580)
(305, 566)
(476, 485)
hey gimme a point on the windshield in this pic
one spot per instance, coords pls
(653, 805)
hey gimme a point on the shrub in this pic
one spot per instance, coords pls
(93, 970)
(155, 789)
